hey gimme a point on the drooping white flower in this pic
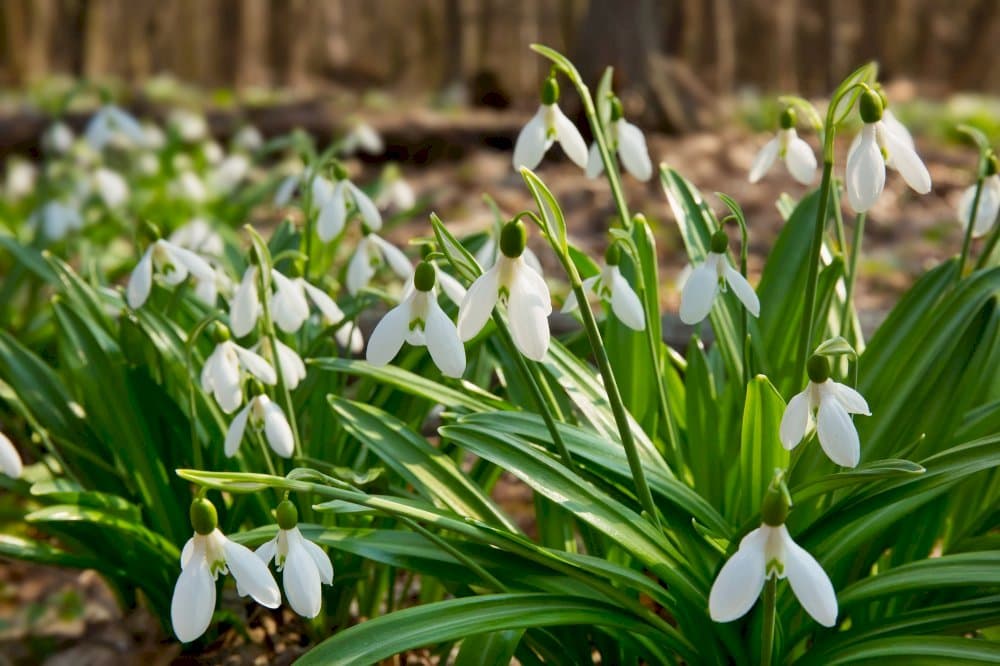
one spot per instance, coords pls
(172, 263)
(56, 219)
(511, 282)
(788, 146)
(189, 126)
(419, 320)
(212, 152)
(305, 566)
(395, 193)
(261, 412)
(10, 459)
(290, 183)
(877, 145)
(348, 336)
(486, 256)
(332, 200)
(198, 236)
(223, 372)
(703, 284)
(611, 286)
(227, 174)
(989, 205)
(112, 187)
(362, 137)
(371, 252)
(21, 176)
(112, 124)
(58, 138)
(248, 139)
(189, 187)
(153, 137)
(547, 126)
(833, 403)
(293, 369)
(207, 554)
(630, 143)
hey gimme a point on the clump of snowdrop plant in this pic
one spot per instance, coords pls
(646, 464)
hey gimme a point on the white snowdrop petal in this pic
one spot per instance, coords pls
(359, 269)
(795, 420)
(633, 151)
(332, 214)
(394, 257)
(234, 435)
(865, 174)
(595, 165)
(349, 337)
(327, 306)
(569, 137)
(267, 550)
(445, 348)
(764, 160)
(528, 309)
(388, 337)
(187, 552)
(198, 267)
(850, 399)
(800, 160)
(906, 161)
(451, 287)
(531, 259)
(486, 255)
(478, 304)
(321, 560)
(245, 307)
(10, 460)
(289, 307)
(251, 574)
(140, 283)
(293, 369)
(571, 302)
(699, 294)
(283, 195)
(193, 601)
(535, 284)
(836, 432)
(810, 583)
(256, 365)
(301, 580)
(743, 290)
(625, 303)
(531, 142)
(277, 431)
(740, 580)
(369, 212)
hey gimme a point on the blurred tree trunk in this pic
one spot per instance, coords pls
(252, 63)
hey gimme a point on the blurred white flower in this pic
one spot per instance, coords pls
(796, 153)
(10, 459)
(113, 125)
(229, 173)
(547, 126)
(153, 136)
(112, 188)
(222, 374)
(305, 566)
(395, 193)
(199, 236)
(189, 126)
(348, 336)
(21, 177)
(630, 143)
(611, 286)
(172, 262)
(332, 199)
(207, 554)
(212, 152)
(371, 252)
(989, 206)
(419, 320)
(510, 282)
(833, 403)
(289, 306)
(704, 280)
(244, 310)
(148, 164)
(188, 186)
(248, 139)
(362, 137)
(261, 412)
(879, 144)
(58, 138)
(56, 219)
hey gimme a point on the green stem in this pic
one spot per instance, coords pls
(847, 319)
(808, 311)
(544, 408)
(767, 631)
(967, 240)
(990, 246)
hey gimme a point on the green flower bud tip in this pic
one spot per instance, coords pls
(870, 105)
(613, 256)
(818, 368)
(513, 238)
(338, 170)
(720, 242)
(204, 517)
(550, 91)
(788, 118)
(617, 112)
(776, 503)
(220, 332)
(287, 515)
(425, 276)
(992, 165)
(256, 388)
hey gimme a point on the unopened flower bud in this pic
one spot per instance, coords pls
(287, 515)
(871, 107)
(204, 518)
(424, 276)
(513, 238)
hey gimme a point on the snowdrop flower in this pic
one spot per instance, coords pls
(289, 306)
(796, 153)
(293, 369)
(834, 403)
(58, 138)
(190, 187)
(396, 192)
(148, 164)
(261, 412)
(244, 309)
(610, 285)
(173, 263)
(419, 320)
(486, 256)
(111, 187)
(222, 374)
(546, 127)
(371, 252)
(189, 126)
(332, 200)
(56, 219)
(198, 236)
(304, 565)
(229, 173)
(451, 287)
(248, 139)
(865, 175)
(207, 554)
(21, 176)
(702, 285)
(989, 201)
(348, 336)
(286, 188)
(10, 460)
(153, 136)
(630, 143)
(212, 152)
(112, 124)
(767, 552)
(510, 281)
(362, 137)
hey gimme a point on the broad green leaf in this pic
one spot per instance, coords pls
(761, 451)
(974, 570)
